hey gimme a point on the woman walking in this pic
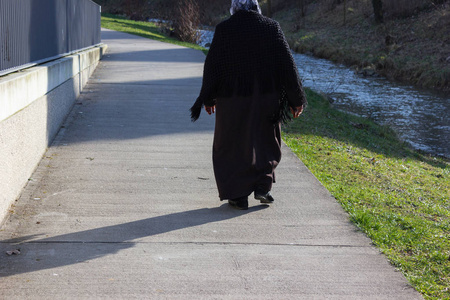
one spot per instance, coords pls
(251, 82)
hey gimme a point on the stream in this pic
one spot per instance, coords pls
(420, 117)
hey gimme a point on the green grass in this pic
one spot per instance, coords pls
(398, 197)
(144, 29)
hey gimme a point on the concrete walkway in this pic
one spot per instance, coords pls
(124, 205)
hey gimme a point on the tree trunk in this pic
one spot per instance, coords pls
(302, 8)
(345, 12)
(269, 8)
(378, 10)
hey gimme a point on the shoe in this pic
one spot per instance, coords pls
(239, 203)
(264, 198)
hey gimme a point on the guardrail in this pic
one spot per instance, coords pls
(36, 31)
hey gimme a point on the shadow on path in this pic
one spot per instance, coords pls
(79, 247)
(171, 56)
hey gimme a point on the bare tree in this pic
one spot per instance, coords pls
(187, 20)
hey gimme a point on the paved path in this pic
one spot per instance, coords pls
(124, 205)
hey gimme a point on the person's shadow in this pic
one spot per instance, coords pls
(73, 248)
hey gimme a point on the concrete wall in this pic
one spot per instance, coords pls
(33, 105)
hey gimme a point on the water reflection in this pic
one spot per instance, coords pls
(419, 117)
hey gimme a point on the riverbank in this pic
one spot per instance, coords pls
(399, 197)
(418, 116)
(413, 50)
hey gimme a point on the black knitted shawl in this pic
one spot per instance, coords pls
(249, 48)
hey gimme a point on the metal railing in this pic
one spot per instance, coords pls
(36, 31)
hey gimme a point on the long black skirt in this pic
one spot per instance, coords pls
(247, 145)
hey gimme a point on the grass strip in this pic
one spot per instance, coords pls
(399, 197)
(141, 28)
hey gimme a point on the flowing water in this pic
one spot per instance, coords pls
(420, 117)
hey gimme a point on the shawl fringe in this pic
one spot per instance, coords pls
(244, 86)
(196, 109)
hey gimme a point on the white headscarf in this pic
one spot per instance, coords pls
(237, 5)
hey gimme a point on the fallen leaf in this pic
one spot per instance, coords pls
(13, 252)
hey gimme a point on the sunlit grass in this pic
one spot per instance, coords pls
(144, 29)
(399, 197)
